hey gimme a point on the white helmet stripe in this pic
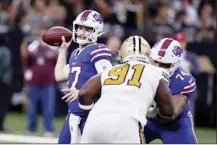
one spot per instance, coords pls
(137, 44)
(140, 48)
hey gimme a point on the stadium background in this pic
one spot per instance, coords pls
(21, 21)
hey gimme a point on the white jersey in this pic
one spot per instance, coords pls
(130, 89)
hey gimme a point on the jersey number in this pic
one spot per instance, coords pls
(119, 74)
(181, 76)
(77, 71)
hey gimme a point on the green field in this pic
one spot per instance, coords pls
(16, 124)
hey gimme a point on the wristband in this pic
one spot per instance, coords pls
(86, 107)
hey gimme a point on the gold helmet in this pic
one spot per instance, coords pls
(135, 48)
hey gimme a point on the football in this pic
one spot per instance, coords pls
(53, 35)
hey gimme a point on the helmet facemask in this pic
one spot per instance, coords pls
(76, 35)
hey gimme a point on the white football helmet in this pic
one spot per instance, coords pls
(135, 48)
(167, 51)
(88, 18)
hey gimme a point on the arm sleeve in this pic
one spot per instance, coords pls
(102, 65)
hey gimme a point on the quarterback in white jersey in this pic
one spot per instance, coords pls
(127, 91)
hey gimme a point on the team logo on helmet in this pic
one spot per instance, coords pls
(178, 51)
(98, 18)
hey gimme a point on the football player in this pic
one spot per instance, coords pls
(126, 91)
(86, 61)
(167, 54)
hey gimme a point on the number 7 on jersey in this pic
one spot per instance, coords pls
(77, 71)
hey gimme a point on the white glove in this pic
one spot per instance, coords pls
(152, 111)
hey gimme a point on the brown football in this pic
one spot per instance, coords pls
(53, 35)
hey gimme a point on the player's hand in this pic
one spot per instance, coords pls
(70, 94)
(64, 44)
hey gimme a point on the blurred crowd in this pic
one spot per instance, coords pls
(22, 22)
(153, 19)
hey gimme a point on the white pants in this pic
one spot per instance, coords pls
(75, 132)
(111, 128)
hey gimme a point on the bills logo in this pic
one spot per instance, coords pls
(98, 18)
(178, 51)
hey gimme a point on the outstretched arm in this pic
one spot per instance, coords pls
(90, 90)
